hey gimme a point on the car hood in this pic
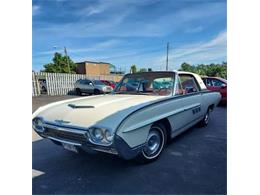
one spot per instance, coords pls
(103, 110)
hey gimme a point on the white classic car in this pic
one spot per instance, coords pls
(135, 120)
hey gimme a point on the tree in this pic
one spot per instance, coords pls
(60, 65)
(187, 67)
(133, 69)
(142, 70)
(214, 70)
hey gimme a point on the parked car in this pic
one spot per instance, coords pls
(132, 122)
(217, 84)
(43, 85)
(91, 87)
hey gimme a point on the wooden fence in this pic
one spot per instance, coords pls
(61, 83)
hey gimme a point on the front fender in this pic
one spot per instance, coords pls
(124, 150)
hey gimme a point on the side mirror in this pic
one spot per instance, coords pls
(223, 86)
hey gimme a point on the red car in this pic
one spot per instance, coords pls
(109, 83)
(217, 84)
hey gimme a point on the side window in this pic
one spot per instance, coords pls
(160, 83)
(208, 82)
(188, 83)
(162, 86)
(216, 83)
(85, 82)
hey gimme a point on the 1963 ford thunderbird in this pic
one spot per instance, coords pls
(135, 120)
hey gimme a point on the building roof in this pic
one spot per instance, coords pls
(92, 62)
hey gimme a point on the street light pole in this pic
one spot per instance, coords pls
(65, 51)
(55, 47)
(167, 61)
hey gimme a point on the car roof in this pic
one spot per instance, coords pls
(156, 72)
(151, 72)
(198, 78)
(214, 78)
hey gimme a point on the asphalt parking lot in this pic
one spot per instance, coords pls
(193, 163)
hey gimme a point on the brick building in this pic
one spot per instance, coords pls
(91, 68)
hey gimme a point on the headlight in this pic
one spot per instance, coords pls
(108, 136)
(97, 134)
(101, 136)
(38, 124)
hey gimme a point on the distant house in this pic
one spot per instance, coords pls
(91, 68)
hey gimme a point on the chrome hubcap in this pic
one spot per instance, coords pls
(153, 144)
(206, 118)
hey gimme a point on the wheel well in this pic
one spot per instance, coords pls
(211, 107)
(167, 125)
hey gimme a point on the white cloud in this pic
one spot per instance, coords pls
(95, 47)
(35, 10)
(218, 42)
(93, 11)
(123, 19)
(116, 19)
(211, 51)
(194, 29)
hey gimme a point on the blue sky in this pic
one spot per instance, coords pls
(126, 32)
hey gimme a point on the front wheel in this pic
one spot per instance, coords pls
(154, 144)
(78, 91)
(204, 122)
(96, 92)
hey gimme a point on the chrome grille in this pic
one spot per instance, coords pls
(65, 135)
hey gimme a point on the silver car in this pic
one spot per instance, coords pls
(91, 87)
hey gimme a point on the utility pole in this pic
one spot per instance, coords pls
(65, 51)
(55, 47)
(167, 61)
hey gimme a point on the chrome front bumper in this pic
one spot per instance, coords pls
(73, 135)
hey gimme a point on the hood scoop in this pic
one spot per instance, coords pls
(80, 106)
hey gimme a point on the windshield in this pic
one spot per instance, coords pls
(151, 83)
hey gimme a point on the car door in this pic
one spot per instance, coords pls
(218, 85)
(210, 85)
(188, 105)
(87, 86)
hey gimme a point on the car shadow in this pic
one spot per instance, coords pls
(65, 172)
(62, 167)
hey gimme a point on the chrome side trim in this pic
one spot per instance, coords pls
(167, 98)
(63, 141)
(156, 118)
